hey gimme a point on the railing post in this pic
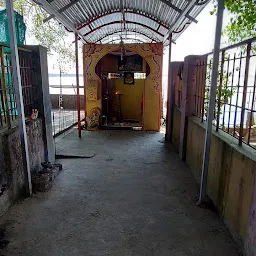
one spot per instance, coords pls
(248, 53)
(220, 89)
(188, 85)
(203, 85)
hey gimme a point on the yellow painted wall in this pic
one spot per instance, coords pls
(130, 98)
(153, 55)
(230, 179)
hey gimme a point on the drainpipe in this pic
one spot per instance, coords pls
(211, 106)
(18, 93)
(77, 89)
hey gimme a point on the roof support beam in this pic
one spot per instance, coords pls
(61, 10)
(119, 11)
(128, 38)
(178, 10)
(177, 22)
(131, 30)
(203, 2)
(59, 17)
(128, 22)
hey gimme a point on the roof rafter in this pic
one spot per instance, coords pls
(177, 22)
(203, 2)
(130, 30)
(128, 22)
(61, 10)
(160, 16)
(178, 10)
(120, 11)
(128, 38)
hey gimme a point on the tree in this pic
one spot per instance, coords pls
(50, 34)
(242, 23)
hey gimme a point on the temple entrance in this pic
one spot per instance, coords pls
(123, 86)
(122, 92)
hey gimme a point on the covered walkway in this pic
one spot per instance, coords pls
(133, 198)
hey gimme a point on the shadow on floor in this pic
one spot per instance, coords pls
(133, 198)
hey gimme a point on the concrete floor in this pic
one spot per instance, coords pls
(134, 198)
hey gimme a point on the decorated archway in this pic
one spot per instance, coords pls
(152, 53)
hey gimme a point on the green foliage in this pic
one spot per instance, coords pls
(241, 26)
(50, 34)
(224, 92)
(242, 23)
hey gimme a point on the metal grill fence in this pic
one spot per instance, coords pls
(8, 107)
(235, 108)
(28, 86)
(64, 110)
(64, 119)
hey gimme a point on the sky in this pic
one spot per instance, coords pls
(198, 38)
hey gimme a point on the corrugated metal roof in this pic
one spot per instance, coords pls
(147, 20)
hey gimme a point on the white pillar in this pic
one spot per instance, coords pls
(18, 92)
(211, 106)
